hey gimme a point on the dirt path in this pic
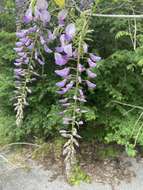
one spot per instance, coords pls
(36, 178)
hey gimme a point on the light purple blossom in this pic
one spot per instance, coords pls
(63, 72)
(26, 61)
(24, 39)
(81, 68)
(21, 34)
(31, 46)
(47, 49)
(91, 63)
(68, 50)
(90, 84)
(32, 29)
(59, 49)
(61, 16)
(21, 54)
(19, 44)
(28, 42)
(45, 16)
(75, 54)
(69, 86)
(63, 91)
(61, 83)
(51, 36)
(70, 31)
(42, 4)
(28, 16)
(40, 62)
(94, 57)
(90, 74)
(60, 60)
(19, 49)
(19, 72)
(17, 63)
(63, 40)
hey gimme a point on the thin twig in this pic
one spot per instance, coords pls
(129, 105)
(117, 16)
(6, 160)
(19, 143)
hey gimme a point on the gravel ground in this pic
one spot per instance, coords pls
(39, 179)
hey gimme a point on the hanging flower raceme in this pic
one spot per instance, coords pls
(29, 54)
(69, 60)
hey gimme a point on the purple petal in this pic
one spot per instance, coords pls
(26, 61)
(75, 54)
(61, 16)
(59, 49)
(69, 86)
(91, 63)
(68, 50)
(24, 40)
(63, 40)
(63, 72)
(28, 42)
(61, 92)
(51, 36)
(21, 54)
(19, 44)
(59, 59)
(28, 16)
(70, 30)
(90, 84)
(19, 60)
(45, 16)
(32, 29)
(94, 57)
(61, 83)
(42, 40)
(18, 49)
(42, 4)
(17, 64)
(21, 34)
(40, 62)
(47, 50)
(31, 46)
(90, 74)
(81, 68)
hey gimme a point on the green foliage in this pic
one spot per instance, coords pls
(78, 176)
(7, 15)
(119, 80)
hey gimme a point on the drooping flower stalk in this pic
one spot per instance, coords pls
(29, 52)
(71, 54)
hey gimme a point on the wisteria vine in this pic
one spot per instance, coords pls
(74, 65)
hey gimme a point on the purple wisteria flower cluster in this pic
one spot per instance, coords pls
(72, 68)
(28, 52)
